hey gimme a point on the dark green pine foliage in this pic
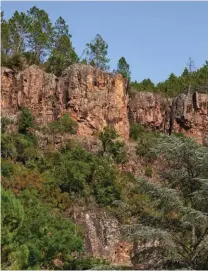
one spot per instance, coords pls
(62, 54)
(123, 68)
(177, 226)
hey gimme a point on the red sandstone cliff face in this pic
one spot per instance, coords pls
(190, 116)
(187, 113)
(95, 99)
(31, 88)
(92, 97)
(149, 109)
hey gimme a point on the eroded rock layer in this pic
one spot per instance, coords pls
(92, 97)
(187, 113)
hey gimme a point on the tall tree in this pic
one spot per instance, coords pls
(5, 39)
(123, 68)
(96, 53)
(40, 32)
(18, 26)
(62, 54)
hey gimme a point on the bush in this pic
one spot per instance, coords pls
(148, 171)
(136, 130)
(6, 168)
(105, 189)
(26, 121)
(115, 148)
(118, 152)
(4, 123)
(65, 124)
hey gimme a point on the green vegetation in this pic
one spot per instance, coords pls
(112, 147)
(64, 124)
(96, 53)
(146, 139)
(31, 38)
(166, 218)
(26, 121)
(188, 80)
(177, 225)
(123, 68)
(39, 186)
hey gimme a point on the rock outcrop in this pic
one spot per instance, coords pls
(95, 99)
(31, 88)
(149, 109)
(92, 97)
(190, 116)
(102, 237)
(187, 113)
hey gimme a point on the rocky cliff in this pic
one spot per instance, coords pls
(95, 98)
(92, 97)
(187, 113)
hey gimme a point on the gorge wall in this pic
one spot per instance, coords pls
(92, 97)
(95, 98)
(187, 113)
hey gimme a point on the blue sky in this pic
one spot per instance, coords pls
(156, 38)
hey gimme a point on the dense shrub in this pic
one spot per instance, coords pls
(26, 121)
(33, 236)
(136, 130)
(112, 147)
(65, 124)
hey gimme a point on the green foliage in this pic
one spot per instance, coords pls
(33, 236)
(18, 147)
(40, 32)
(6, 168)
(176, 223)
(79, 172)
(184, 165)
(123, 68)
(148, 171)
(105, 189)
(107, 136)
(26, 121)
(188, 80)
(114, 148)
(4, 123)
(65, 124)
(146, 140)
(62, 54)
(136, 130)
(96, 53)
(145, 85)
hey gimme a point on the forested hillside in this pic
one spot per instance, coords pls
(94, 173)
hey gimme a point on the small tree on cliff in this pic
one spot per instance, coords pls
(123, 68)
(96, 53)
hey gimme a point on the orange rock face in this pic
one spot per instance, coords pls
(92, 97)
(95, 99)
(190, 113)
(187, 113)
(149, 109)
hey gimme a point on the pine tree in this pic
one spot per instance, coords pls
(123, 68)
(62, 54)
(96, 53)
